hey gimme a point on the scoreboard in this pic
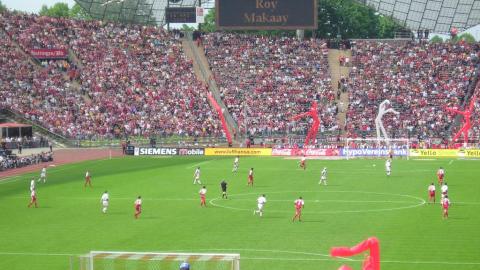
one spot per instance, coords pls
(180, 15)
(266, 14)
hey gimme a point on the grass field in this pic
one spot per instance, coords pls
(360, 201)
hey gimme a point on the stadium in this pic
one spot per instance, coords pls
(239, 135)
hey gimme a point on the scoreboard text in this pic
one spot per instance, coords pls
(266, 14)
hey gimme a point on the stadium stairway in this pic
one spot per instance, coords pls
(336, 73)
(202, 70)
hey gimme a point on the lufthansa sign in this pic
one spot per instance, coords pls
(266, 14)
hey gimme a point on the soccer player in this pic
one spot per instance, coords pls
(196, 176)
(43, 175)
(431, 193)
(104, 200)
(445, 205)
(33, 199)
(138, 206)
(223, 185)
(299, 204)
(235, 165)
(203, 193)
(32, 184)
(388, 167)
(302, 163)
(260, 203)
(88, 180)
(323, 178)
(444, 190)
(440, 176)
(250, 177)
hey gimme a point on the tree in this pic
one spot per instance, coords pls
(209, 24)
(467, 38)
(77, 12)
(187, 28)
(59, 10)
(2, 7)
(436, 39)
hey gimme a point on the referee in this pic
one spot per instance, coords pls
(223, 184)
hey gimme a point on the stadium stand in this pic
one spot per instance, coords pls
(420, 79)
(264, 81)
(137, 80)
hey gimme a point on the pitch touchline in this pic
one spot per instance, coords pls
(8, 179)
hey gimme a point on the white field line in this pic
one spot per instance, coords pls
(450, 163)
(253, 200)
(196, 165)
(6, 180)
(326, 257)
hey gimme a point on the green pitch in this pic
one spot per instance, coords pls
(359, 201)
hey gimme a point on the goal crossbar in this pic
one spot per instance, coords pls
(162, 256)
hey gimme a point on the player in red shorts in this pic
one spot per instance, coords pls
(250, 177)
(138, 206)
(299, 203)
(303, 163)
(88, 180)
(33, 201)
(445, 205)
(440, 176)
(203, 194)
(431, 193)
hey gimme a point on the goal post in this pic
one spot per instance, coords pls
(119, 260)
(373, 147)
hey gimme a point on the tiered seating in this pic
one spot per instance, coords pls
(419, 79)
(264, 81)
(137, 78)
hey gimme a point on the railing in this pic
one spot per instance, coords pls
(211, 84)
(143, 141)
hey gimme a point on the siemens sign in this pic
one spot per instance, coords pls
(168, 151)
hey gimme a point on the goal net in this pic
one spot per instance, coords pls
(115, 260)
(375, 148)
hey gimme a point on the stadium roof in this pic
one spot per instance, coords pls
(438, 16)
(136, 11)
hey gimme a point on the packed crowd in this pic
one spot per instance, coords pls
(24, 142)
(14, 161)
(420, 80)
(135, 80)
(265, 81)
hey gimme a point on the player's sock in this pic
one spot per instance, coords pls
(261, 213)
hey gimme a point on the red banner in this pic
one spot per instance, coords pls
(49, 53)
(307, 152)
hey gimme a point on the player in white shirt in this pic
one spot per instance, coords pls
(260, 203)
(43, 175)
(444, 190)
(196, 176)
(388, 167)
(32, 184)
(235, 165)
(323, 178)
(303, 165)
(431, 193)
(104, 200)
